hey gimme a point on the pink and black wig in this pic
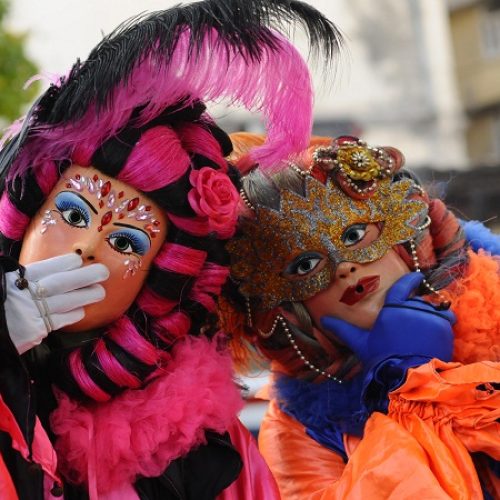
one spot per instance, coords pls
(135, 110)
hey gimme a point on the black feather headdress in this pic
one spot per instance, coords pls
(202, 51)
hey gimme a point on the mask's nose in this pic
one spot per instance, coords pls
(345, 269)
(85, 250)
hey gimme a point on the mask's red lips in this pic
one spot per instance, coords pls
(360, 290)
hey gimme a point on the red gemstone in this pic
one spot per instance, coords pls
(68, 185)
(120, 194)
(101, 204)
(106, 218)
(148, 208)
(99, 228)
(132, 204)
(121, 216)
(106, 188)
(78, 177)
(95, 178)
(156, 222)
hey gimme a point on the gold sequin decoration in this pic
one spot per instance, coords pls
(316, 223)
(358, 163)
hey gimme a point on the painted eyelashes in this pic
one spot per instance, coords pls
(72, 209)
(76, 211)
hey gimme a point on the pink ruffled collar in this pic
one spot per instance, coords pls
(138, 433)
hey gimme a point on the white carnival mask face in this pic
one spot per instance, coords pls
(105, 221)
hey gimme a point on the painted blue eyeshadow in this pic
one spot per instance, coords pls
(66, 200)
(138, 240)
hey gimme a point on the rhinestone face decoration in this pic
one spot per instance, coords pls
(47, 221)
(316, 222)
(119, 206)
(133, 264)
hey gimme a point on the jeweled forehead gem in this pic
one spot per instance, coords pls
(108, 197)
(316, 222)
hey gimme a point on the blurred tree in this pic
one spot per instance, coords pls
(15, 70)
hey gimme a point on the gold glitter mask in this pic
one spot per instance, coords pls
(317, 222)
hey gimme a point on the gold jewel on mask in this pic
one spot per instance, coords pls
(360, 162)
(316, 222)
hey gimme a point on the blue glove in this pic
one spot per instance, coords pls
(405, 327)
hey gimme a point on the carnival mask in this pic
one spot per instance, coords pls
(290, 254)
(105, 221)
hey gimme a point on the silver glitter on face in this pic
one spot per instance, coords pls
(47, 221)
(133, 264)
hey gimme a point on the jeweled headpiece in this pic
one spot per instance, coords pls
(318, 222)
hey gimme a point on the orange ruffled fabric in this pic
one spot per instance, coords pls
(421, 449)
(388, 463)
(451, 411)
(476, 303)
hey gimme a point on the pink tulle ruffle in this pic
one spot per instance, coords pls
(141, 431)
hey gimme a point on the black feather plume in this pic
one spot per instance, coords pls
(241, 24)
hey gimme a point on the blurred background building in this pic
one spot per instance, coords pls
(475, 30)
(420, 75)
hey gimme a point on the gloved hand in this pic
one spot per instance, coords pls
(405, 327)
(51, 295)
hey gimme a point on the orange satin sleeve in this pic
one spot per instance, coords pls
(298, 463)
(452, 410)
(442, 413)
(387, 463)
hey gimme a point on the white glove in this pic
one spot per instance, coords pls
(51, 295)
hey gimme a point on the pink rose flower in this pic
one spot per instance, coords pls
(214, 197)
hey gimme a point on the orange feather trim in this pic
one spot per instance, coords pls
(476, 303)
(245, 356)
